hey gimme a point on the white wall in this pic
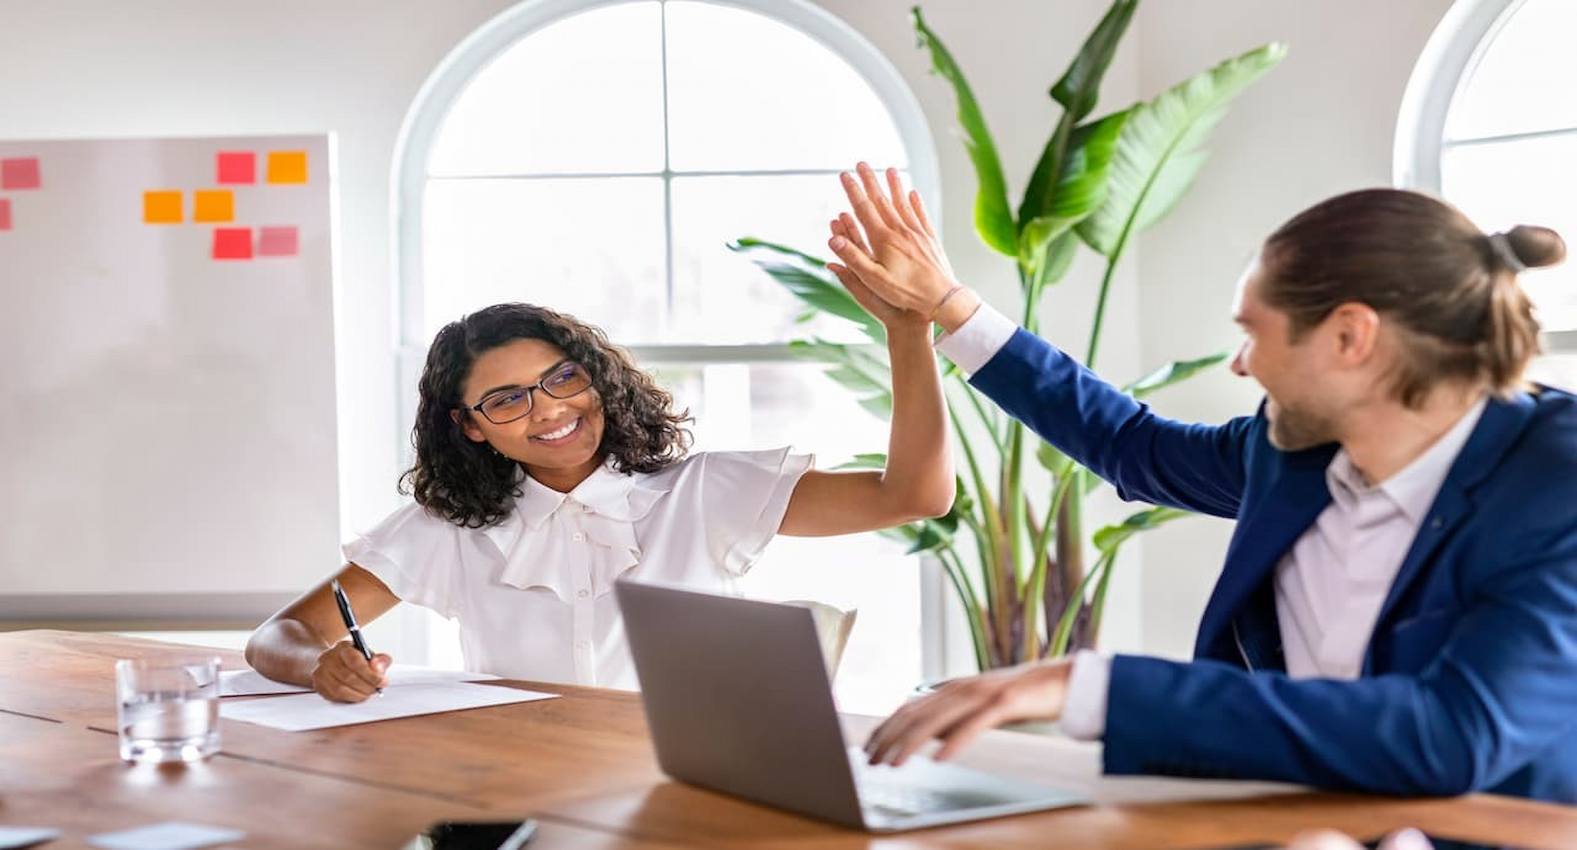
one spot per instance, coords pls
(94, 68)
(207, 67)
(1320, 124)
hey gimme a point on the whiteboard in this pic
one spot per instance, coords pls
(167, 418)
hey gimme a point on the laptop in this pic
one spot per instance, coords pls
(738, 701)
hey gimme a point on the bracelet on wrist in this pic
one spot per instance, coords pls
(957, 288)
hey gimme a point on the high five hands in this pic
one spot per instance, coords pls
(892, 260)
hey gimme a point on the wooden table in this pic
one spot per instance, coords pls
(583, 765)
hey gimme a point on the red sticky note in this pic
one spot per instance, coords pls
(237, 167)
(19, 173)
(5, 213)
(277, 242)
(232, 243)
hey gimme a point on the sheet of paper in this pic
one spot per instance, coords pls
(25, 836)
(171, 835)
(245, 683)
(300, 712)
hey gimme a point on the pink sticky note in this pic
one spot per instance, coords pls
(19, 173)
(232, 243)
(277, 242)
(5, 213)
(237, 167)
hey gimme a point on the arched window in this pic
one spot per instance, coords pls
(1489, 122)
(596, 157)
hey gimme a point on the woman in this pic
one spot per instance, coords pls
(548, 466)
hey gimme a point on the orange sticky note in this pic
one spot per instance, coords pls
(214, 205)
(162, 207)
(287, 166)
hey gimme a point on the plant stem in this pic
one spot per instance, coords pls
(988, 421)
(990, 555)
(1098, 605)
(955, 571)
(1100, 305)
(1059, 492)
(1013, 513)
(1059, 641)
(1036, 591)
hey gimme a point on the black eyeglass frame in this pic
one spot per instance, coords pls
(531, 399)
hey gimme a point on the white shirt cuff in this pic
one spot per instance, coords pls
(977, 340)
(1084, 713)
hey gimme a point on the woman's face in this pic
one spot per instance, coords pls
(560, 438)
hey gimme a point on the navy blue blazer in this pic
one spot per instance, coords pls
(1469, 681)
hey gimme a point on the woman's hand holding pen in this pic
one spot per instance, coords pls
(899, 260)
(343, 675)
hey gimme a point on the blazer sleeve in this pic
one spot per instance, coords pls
(1146, 457)
(1499, 694)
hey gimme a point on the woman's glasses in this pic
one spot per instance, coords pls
(567, 379)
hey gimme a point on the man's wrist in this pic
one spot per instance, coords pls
(958, 310)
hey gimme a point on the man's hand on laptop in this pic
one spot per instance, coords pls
(963, 708)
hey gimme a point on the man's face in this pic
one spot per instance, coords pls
(1299, 395)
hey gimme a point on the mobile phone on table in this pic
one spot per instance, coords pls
(474, 835)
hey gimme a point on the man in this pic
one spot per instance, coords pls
(1398, 608)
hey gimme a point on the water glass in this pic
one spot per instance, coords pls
(168, 710)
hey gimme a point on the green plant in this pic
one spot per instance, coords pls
(1097, 183)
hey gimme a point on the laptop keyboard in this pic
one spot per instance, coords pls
(882, 788)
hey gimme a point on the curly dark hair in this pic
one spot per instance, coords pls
(473, 485)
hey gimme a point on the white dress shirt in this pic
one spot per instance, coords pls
(1329, 585)
(533, 594)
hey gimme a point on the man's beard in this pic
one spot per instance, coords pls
(1294, 429)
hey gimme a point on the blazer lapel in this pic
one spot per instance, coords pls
(1502, 422)
(1265, 533)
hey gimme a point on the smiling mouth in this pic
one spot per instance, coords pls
(562, 435)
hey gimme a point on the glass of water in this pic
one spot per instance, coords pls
(168, 710)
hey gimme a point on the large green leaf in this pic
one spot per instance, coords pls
(1080, 189)
(750, 243)
(1172, 373)
(1062, 466)
(993, 218)
(1077, 91)
(815, 286)
(1112, 536)
(1054, 461)
(1162, 148)
(857, 368)
(1080, 85)
(1059, 257)
(924, 536)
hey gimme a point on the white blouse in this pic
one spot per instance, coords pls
(533, 594)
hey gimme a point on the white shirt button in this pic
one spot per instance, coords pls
(583, 593)
(585, 509)
(579, 538)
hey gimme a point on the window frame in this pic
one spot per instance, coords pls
(471, 56)
(1458, 43)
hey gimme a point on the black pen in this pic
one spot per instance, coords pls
(349, 617)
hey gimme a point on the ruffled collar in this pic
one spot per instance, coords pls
(604, 508)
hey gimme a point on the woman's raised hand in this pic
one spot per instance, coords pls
(890, 249)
